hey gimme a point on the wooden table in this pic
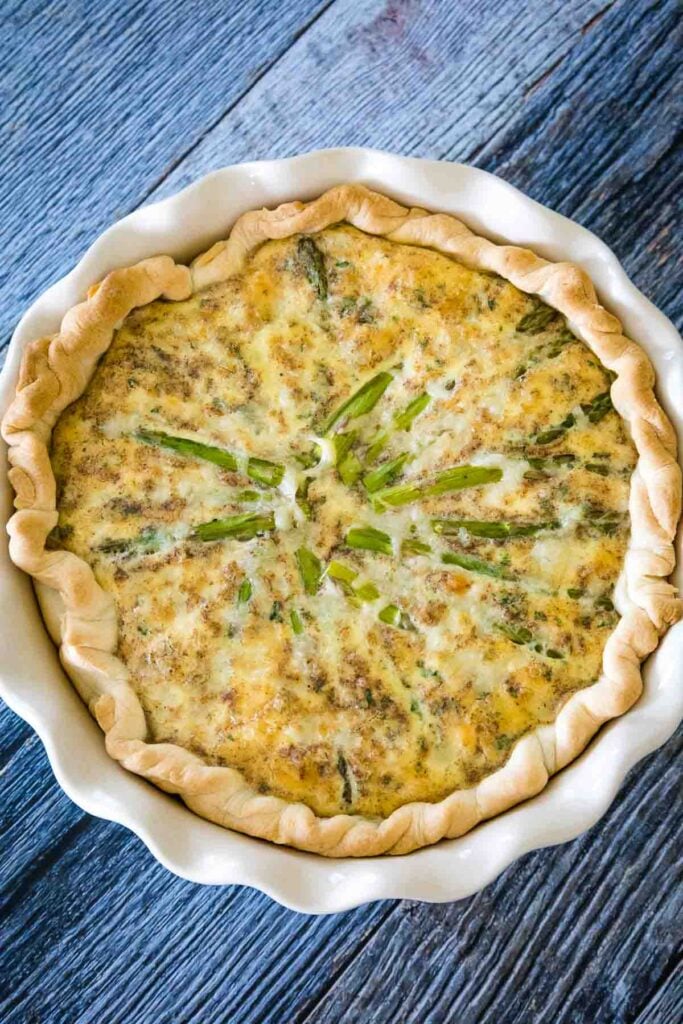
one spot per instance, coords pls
(108, 105)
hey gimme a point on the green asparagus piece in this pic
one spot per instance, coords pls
(144, 543)
(606, 522)
(402, 421)
(367, 538)
(415, 547)
(245, 591)
(522, 636)
(340, 572)
(309, 458)
(343, 769)
(550, 461)
(343, 444)
(240, 527)
(265, 472)
(477, 565)
(347, 463)
(345, 576)
(490, 528)
(360, 403)
(518, 634)
(301, 496)
(276, 612)
(555, 433)
(313, 263)
(297, 624)
(549, 350)
(366, 591)
(248, 496)
(537, 320)
(454, 479)
(595, 410)
(349, 469)
(393, 616)
(598, 407)
(310, 570)
(260, 470)
(385, 474)
(186, 446)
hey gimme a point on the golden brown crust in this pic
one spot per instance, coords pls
(82, 617)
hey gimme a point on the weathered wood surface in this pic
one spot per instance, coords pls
(105, 106)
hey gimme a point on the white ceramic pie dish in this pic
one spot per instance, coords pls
(33, 684)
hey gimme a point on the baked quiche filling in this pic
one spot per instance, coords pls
(362, 511)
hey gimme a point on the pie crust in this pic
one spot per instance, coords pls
(81, 616)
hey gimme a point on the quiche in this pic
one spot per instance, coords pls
(353, 532)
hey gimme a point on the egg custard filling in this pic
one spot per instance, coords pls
(361, 510)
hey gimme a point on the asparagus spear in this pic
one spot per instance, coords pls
(347, 463)
(341, 573)
(297, 624)
(385, 474)
(604, 521)
(313, 263)
(598, 407)
(301, 496)
(522, 636)
(343, 769)
(345, 576)
(494, 529)
(350, 468)
(477, 565)
(310, 570)
(144, 543)
(367, 538)
(537, 320)
(454, 479)
(360, 403)
(261, 470)
(402, 421)
(186, 446)
(241, 527)
(549, 350)
(309, 458)
(595, 410)
(265, 472)
(518, 634)
(540, 467)
(415, 547)
(550, 461)
(393, 616)
(555, 433)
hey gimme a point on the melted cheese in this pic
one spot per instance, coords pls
(350, 714)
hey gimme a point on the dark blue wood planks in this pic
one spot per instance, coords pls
(106, 105)
(100, 101)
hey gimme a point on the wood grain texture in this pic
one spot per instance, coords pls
(107, 105)
(100, 101)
